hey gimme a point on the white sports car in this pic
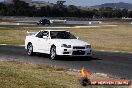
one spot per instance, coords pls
(56, 42)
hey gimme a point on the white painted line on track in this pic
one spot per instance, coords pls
(113, 51)
(10, 45)
(3, 44)
(102, 74)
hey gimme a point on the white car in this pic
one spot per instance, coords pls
(56, 43)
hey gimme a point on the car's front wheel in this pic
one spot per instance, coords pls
(37, 23)
(30, 50)
(53, 53)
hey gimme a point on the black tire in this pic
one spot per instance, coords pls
(53, 55)
(30, 49)
(85, 82)
(48, 22)
(37, 23)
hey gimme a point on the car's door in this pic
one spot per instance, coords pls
(36, 40)
(43, 42)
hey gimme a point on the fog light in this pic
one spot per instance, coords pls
(88, 53)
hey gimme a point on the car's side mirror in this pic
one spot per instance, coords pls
(45, 37)
(78, 38)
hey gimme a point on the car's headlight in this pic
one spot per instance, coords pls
(65, 45)
(88, 46)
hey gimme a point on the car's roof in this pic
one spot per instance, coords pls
(43, 19)
(53, 30)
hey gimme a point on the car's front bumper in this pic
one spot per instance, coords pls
(74, 52)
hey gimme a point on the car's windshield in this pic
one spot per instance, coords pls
(61, 35)
(44, 20)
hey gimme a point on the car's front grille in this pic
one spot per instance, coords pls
(79, 52)
(78, 47)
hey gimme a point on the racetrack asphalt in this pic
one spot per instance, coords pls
(33, 24)
(116, 64)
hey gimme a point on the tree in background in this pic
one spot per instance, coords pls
(20, 8)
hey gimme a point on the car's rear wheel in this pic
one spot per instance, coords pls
(53, 53)
(30, 50)
(49, 23)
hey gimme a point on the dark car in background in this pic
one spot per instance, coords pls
(43, 22)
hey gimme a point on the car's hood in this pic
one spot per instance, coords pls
(73, 42)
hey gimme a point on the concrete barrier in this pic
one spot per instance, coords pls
(94, 22)
(57, 21)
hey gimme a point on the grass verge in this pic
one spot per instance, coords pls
(7, 23)
(14, 74)
(107, 38)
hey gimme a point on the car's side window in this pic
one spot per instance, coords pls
(40, 35)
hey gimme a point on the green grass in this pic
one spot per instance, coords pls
(105, 38)
(14, 36)
(108, 38)
(7, 23)
(16, 74)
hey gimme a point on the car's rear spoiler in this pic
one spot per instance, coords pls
(31, 33)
